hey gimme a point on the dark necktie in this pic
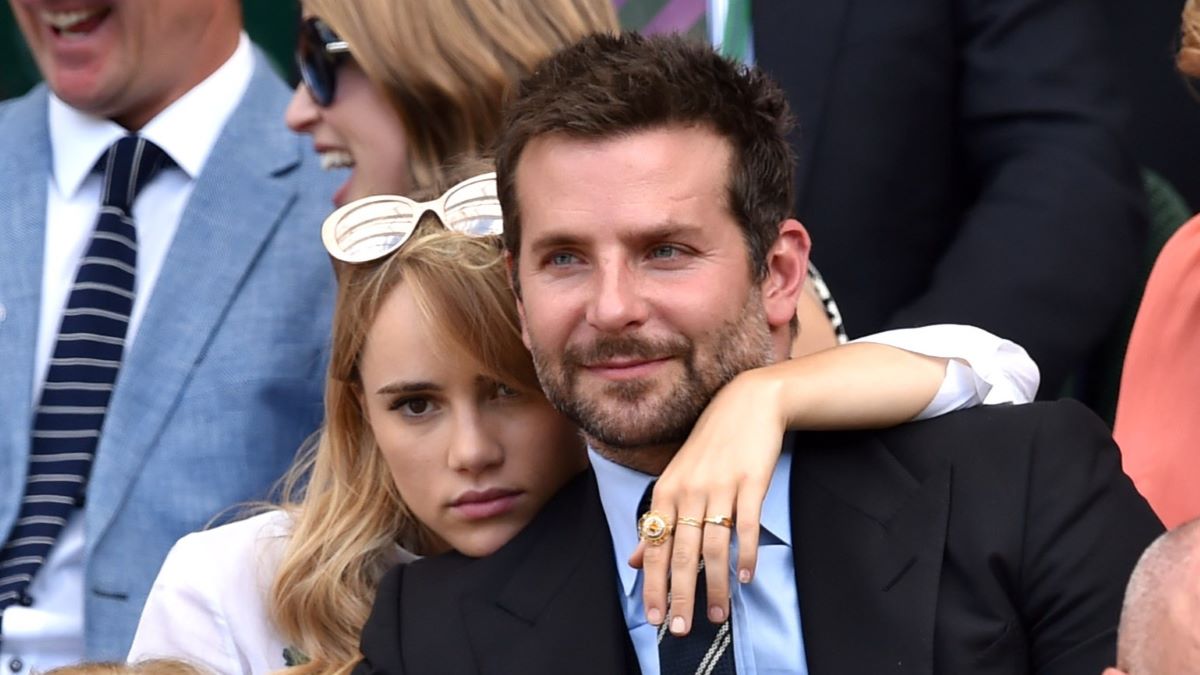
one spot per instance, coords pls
(83, 369)
(708, 648)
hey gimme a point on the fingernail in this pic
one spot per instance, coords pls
(654, 616)
(744, 576)
(677, 626)
(716, 614)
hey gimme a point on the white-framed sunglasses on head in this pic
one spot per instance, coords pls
(372, 227)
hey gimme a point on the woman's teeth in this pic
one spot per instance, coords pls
(336, 159)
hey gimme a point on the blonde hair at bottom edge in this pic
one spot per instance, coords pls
(149, 667)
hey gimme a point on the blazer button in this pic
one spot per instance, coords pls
(25, 600)
(16, 665)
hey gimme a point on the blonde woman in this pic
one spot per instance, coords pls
(437, 437)
(394, 90)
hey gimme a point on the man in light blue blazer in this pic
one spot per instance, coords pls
(221, 376)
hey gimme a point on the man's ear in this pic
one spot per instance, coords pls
(787, 268)
(510, 264)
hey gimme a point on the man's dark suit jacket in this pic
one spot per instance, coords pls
(996, 540)
(963, 161)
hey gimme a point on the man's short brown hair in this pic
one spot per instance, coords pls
(607, 86)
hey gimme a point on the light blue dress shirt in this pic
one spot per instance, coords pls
(766, 617)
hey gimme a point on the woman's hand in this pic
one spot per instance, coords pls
(726, 465)
(722, 471)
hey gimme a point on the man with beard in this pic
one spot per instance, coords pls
(646, 186)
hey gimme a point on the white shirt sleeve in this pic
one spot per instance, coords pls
(984, 369)
(208, 603)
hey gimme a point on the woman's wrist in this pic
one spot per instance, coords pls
(773, 390)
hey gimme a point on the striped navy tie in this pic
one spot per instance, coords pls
(83, 369)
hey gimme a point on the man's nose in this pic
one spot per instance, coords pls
(618, 302)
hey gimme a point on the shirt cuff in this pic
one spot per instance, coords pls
(984, 368)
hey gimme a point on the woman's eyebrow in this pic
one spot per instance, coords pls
(408, 387)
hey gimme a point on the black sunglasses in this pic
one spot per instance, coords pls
(319, 52)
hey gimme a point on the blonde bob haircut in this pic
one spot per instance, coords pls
(348, 519)
(1188, 59)
(447, 65)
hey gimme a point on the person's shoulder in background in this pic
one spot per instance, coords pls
(1156, 422)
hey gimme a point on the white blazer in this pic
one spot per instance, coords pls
(208, 605)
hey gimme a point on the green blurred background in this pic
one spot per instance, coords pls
(271, 24)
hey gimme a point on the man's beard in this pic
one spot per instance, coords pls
(642, 413)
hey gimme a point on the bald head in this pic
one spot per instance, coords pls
(1160, 620)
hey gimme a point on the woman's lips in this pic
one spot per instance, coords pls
(482, 504)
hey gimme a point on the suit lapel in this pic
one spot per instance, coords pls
(797, 44)
(556, 605)
(213, 252)
(25, 166)
(869, 538)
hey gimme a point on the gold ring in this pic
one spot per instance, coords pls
(719, 520)
(653, 528)
(689, 521)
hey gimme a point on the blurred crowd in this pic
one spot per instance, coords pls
(498, 343)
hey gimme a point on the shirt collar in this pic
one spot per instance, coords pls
(776, 518)
(187, 129)
(621, 489)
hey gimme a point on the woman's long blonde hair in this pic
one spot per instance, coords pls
(1188, 59)
(446, 65)
(348, 520)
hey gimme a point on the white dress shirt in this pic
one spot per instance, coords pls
(50, 633)
(767, 633)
